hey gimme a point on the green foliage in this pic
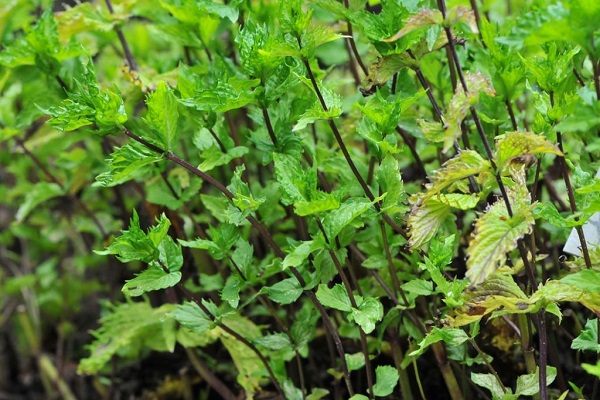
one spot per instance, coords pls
(310, 196)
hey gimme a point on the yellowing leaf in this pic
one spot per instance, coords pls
(514, 146)
(425, 220)
(462, 102)
(465, 164)
(495, 234)
(421, 19)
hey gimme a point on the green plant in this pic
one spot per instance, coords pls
(353, 189)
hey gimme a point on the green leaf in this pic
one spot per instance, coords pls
(514, 145)
(126, 163)
(275, 341)
(548, 212)
(588, 338)
(529, 384)
(231, 291)
(496, 233)
(40, 193)
(316, 112)
(335, 298)
(592, 369)
(587, 279)
(163, 115)
(489, 382)
(336, 220)
(133, 244)
(390, 183)
(451, 336)
(368, 313)
(128, 329)
(385, 381)
(153, 278)
(355, 361)
(190, 315)
(300, 253)
(87, 105)
(286, 291)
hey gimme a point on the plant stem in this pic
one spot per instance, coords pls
(128, 55)
(570, 194)
(204, 371)
(487, 363)
(350, 293)
(270, 129)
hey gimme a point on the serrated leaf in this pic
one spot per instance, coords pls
(497, 292)
(190, 315)
(458, 201)
(587, 279)
(300, 253)
(133, 244)
(462, 102)
(126, 163)
(153, 278)
(489, 382)
(368, 313)
(129, 328)
(87, 105)
(163, 114)
(386, 379)
(335, 297)
(231, 291)
(465, 164)
(40, 193)
(548, 212)
(529, 384)
(517, 144)
(451, 336)
(285, 292)
(588, 338)
(390, 183)
(355, 361)
(275, 341)
(425, 220)
(336, 220)
(496, 233)
(422, 19)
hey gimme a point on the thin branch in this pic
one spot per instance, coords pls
(128, 55)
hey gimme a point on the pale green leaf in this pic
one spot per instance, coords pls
(489, 382)
(368, 313)
(386, 379)
(529, 384)
(40, 193)
(588, 338)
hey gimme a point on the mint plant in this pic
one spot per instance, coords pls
(300, 200)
